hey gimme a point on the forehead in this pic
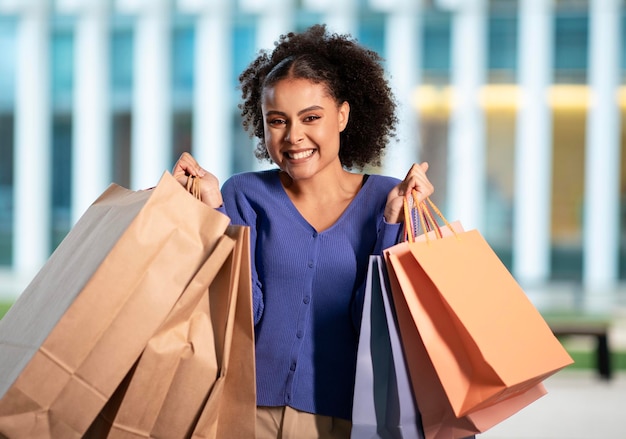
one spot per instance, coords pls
(291, 90)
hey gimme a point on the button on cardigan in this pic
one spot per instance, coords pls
(308, 289)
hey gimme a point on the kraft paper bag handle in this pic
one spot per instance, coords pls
(423, 214)
(193, 186)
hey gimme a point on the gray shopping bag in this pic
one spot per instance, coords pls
(384, 406)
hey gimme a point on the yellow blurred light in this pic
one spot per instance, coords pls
(429, 99)
(499, 97)
(568, 97)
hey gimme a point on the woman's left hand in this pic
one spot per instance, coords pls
(415, 180)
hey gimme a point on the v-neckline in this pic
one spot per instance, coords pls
(303, 221)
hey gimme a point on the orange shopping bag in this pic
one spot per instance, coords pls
(477, 348)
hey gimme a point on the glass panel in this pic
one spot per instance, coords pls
(244, 34)
(372, 32)
(121, 68)
(243, 149)
(183, 52)
(622, 213)
(6, 187)
(182, 133)
(500, 136)
(62, 68)
(7, 63)
(623, 46)
(183, 49)
(570, 51)
(243, 50)
(567, 192)
(121, 72)
(7, 103)
(502, 52)
(121, 138)
(61, 177)
(436, 50)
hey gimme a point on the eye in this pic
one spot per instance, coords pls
(311, 118)
(276, 122)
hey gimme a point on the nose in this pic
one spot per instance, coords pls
(294, 134)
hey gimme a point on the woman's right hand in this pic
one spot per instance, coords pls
(209, 185)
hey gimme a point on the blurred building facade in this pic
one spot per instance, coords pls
(516, 104)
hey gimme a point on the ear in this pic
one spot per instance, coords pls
(343, 115)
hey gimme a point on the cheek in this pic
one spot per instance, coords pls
(270, 139)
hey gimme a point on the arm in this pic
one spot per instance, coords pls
(233, 204)
(389, 234)
(391, 225)
(238, 208)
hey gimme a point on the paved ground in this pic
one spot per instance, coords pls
(578, 406)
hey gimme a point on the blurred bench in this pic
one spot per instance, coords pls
(599, 329)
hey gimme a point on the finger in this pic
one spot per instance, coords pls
(420, 183)
(187, 165)
(412, 179)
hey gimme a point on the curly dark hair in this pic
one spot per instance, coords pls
(350, 72)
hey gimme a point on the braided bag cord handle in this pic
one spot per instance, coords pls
(427, 213)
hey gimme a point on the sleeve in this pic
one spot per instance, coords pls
(388, 235)
(238, 208)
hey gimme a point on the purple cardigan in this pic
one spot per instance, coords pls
(308, 289)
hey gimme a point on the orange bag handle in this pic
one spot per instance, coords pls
(417, 217)
(427, 213)
(428, 216)
(193, 186)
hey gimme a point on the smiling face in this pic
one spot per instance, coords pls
(302, 123)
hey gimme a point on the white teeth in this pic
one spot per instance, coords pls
(301, 155)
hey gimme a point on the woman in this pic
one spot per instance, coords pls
(320, 106)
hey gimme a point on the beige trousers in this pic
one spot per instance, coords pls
(289, 423)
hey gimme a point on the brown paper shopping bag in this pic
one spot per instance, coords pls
(230, 410)
(78, 328)
(196, 374)
(163, 394)
(478, 349)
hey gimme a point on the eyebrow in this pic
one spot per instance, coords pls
(305, 110)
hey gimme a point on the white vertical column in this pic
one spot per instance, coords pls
(533, 150)
(212, 132)
(276, 18)
(151, 109)
(403, 32)
(339, 17)
(32, 157)
(602, 154)
(466, 156)
(91, 143)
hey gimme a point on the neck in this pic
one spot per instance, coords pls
(335, 184)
